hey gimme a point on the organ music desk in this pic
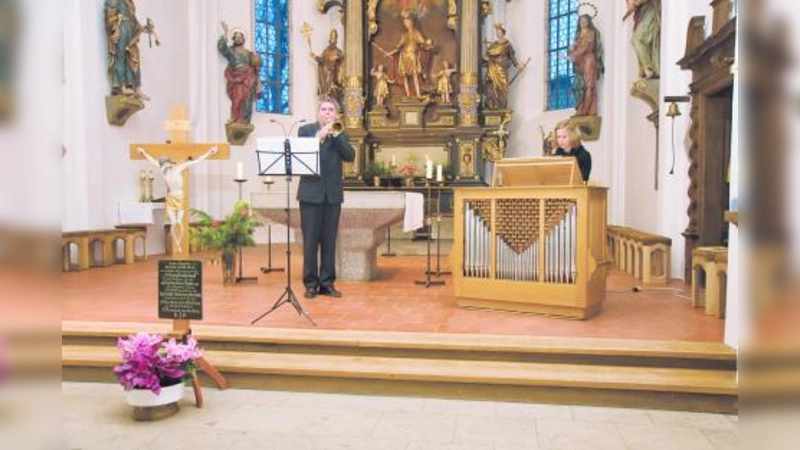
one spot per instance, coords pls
(534, 242)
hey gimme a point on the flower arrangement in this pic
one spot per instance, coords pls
(407, 170)
(228, 235)
(148, 362)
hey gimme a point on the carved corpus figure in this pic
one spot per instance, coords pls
(173, 177)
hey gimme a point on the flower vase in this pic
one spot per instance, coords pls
(150, 406)
(228, 268)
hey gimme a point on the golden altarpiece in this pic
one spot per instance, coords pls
(411, 86)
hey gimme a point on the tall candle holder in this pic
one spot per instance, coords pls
(427, 282)
(439, 272)
(389, 251)
(240, 278)
(143, 186)
(268, 182)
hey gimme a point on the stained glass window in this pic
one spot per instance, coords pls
(272, 44)
(562, 22)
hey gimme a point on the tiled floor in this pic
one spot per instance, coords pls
(95, 416)
(128, 293)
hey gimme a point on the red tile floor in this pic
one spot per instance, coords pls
(128, 293)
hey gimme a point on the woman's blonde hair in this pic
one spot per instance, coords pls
(573, 133)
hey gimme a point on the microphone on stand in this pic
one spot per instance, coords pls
(291, 127)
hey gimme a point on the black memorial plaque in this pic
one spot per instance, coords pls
(180, 290)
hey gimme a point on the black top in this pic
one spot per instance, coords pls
(328, 186)
(583, 157)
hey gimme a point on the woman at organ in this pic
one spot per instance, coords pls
(568, 139)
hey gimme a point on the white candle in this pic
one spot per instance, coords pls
(240, 170)
(393, 161)
(429, 169)
(439, 175)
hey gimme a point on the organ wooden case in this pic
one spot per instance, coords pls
(533, 243)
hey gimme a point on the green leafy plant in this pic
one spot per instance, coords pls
(227, 235)
(375, 169)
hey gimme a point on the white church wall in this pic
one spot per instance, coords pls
(97, 171)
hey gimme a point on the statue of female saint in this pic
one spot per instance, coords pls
(646, 39)
(586, 54)
(382, 81)
(499, 58)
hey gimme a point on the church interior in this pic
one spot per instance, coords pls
(475, 263)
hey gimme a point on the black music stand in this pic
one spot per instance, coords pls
(274, 161)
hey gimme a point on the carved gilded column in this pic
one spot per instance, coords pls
(468, 97)
(354, 64)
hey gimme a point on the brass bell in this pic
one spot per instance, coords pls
(673, 110)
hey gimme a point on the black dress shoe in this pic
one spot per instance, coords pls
(330, 292)
(310, 293)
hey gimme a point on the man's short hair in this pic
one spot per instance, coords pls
(332, 101)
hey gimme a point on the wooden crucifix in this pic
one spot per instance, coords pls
(181, 154)
(177, 155)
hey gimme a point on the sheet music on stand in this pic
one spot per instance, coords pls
(274, 160)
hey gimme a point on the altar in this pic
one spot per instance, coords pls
(362, 227)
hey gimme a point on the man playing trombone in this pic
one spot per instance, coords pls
(321, 197)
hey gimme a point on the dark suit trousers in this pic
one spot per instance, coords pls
(320, 225)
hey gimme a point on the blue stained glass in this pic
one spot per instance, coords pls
(272, 43)
(563, 19)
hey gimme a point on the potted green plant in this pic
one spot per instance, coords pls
(374, 171)
(226, 236)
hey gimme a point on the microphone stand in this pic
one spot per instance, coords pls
(288, 295)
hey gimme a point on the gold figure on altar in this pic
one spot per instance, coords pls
(382, 82)
(413, 48)
(499, 58)
(443, 86)
(330, 70)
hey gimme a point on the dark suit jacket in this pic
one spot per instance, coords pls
(583, 157)
(328, 186)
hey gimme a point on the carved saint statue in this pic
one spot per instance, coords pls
(586, 54)
(330, 70)
(646, 39)
(412, 60)
(381, 90)
(122, 35)
(500, 57)
(241, 75)
(443, 86)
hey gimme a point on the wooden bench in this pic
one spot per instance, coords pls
(713, 261)
(643, 255)
(87, 242)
